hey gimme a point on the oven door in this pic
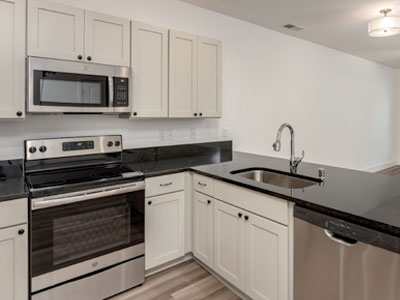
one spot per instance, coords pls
(75, 229)
(57, 86)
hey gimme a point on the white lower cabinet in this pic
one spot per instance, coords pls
(203, 228)
(14, 263)
(164, 228)
(249, 251)
(229, 243)
(266, 259)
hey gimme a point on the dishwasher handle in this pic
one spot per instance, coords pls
(340, 239)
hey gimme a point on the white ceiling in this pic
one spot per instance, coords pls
(338, 24)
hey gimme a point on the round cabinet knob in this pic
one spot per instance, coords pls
(200, 114)
(117, 143)
(195, 114)
(19, 113)
(42, 149)
(89, 58)
(32, 149)
(240, 215)
(80, 57)
(21, 231)
(208, 201)
(246, 217)
(110, 144)
(149, 203)
(135, 113)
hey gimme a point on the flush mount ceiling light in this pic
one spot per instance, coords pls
(385, 26)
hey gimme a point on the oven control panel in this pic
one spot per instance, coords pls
(80, 145)
(66, 147)
(121, 94)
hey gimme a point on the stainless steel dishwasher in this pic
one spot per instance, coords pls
(339, 260)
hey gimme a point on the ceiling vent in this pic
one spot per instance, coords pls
(292, 27)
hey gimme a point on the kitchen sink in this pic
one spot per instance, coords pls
(285, 180)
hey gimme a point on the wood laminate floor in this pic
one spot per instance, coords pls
(394, 171)
(186, 281)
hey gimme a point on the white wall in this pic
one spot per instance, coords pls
(342, 107)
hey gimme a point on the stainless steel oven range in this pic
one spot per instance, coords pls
(87, 218)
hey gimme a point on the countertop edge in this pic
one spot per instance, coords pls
(382, 227)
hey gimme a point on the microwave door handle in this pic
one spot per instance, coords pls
(41, 203)
(111, 91)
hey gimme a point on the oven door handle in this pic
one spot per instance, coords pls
(41, 203)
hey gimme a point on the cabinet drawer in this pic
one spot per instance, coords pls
(164, 184)
(13, 212)
(203, 184)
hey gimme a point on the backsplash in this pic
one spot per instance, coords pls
(140, 133)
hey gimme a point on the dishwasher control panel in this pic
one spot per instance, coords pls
(348, 230)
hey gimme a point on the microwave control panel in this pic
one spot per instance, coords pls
(121, 95)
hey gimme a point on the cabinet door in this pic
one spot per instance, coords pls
(266, 253)
(12, 59)
(55, 30)
(150, 67)
(209, 77)
(182, 75)
(203, 228)
(14, 263)
(229, 243)
(164, 228)
(107, 39)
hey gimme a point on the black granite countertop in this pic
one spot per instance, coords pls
(156, 161)
(371, 200)
(12, 181)
(368, 199)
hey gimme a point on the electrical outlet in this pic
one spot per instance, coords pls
(170, 134)
(192, 133)
(225, 133)
(161, 134)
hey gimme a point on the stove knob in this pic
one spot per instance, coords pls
(43, 149)
(32, 149)
(110, 144)
(117, 143)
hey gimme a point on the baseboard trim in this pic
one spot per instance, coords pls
(382, 167)
(226, 283)
(168, 265)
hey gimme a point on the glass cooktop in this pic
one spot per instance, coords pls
(47, 179)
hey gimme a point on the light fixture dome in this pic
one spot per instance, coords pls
(385, 26)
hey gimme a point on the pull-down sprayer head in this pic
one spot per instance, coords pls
(277, 146)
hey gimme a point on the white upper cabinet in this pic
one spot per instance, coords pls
(12, 59)
(266, 252)
(209, 77)
(195, 76)
(150, 71)
(55, 30)
(107, 39)
(182, 75)
(65, 32)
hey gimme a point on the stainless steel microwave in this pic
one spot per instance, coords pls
(59, 86)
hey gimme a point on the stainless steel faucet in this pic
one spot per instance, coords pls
(294, 161)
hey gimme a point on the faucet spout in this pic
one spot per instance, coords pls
(294, 161)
